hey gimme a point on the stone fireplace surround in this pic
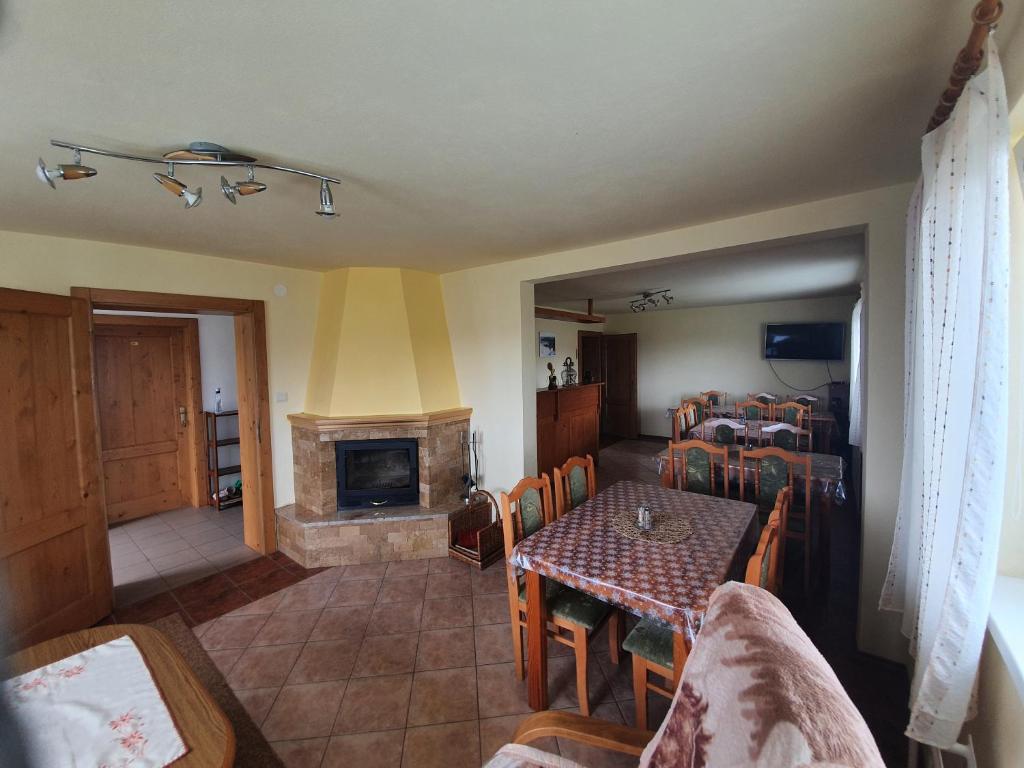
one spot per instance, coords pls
(315, 533)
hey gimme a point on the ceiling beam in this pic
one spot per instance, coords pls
(550, 313)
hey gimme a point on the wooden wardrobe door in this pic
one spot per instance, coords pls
(54, 554)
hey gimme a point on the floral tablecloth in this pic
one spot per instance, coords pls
(670, 582)
(99, 707)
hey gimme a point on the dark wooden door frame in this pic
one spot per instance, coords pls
(253, 391)
(196, 492)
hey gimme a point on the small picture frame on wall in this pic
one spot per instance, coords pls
(546, 344)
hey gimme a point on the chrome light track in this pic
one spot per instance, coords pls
(212, 161)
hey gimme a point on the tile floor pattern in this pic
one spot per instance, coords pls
(160, 552)
(407, 664)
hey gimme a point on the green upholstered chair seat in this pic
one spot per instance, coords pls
(774, 477)
(651, 640)
(571, 604)
(786, 440)
(530, 509)
(724, 435)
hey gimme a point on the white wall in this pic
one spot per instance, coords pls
(217, 361)
(566, 345)
(682, 352)
(490, 318)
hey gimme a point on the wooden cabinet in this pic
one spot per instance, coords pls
(568, 424)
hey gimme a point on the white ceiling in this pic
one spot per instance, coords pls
(468, 132)
(828, 266)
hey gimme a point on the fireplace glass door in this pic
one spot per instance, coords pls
(377, 473)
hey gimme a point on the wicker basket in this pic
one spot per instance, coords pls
(474, 533)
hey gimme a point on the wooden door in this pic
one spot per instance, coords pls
(145, 412)
(54, 554)
(620, 411)
(591, 363)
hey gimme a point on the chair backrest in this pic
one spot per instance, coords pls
(788, 437)
(781, 516)
(691, 467)
(809, 400)
(525, 510)
(701, 407)
(575, 482)
(793, 413)
(763, 397)
(754, 409)
(722, 431)
(773, 470)
(715, 398)
(685, 419)
(763, 564)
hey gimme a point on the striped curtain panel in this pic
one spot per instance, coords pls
(944, 553)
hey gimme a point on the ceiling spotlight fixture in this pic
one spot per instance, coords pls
(243, 188)
(66, 172)
(172, 185)
(326, 200)
(650, 299)
(196, 153)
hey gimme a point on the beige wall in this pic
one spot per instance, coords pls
(682, 352)
(54, 264)
(566, 345)
(490, 317)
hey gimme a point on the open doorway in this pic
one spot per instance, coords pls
(227, 442)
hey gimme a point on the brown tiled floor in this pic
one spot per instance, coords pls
(407, 664)
(247, 587)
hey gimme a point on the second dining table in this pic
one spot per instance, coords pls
(697, 543)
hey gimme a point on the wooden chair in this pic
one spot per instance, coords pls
(684, 420)
(722, 431)
(715, 399)
(793, 413)
(808, 400)
(573, 617)
(701, 407)
(773, 470)
(696, 467)
(474, 531)
(781, 513)
(788, 437)
(575, 482)
(650, 642)
(754, 409)
(762, 567)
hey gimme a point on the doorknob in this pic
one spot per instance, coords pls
(182, 415)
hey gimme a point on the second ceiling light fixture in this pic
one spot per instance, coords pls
(197, 153)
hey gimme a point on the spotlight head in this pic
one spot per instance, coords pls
(67, 172)
(47, 175)
(228, 190)
(243, 188)
(326, 200)
(192, 199)
(172, 185)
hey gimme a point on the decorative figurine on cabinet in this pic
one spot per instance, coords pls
(552, 379)
(568, 373)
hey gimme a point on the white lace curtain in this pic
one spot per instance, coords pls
(856, 374)
(944, 553)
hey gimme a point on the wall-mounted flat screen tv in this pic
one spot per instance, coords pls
(804, 341)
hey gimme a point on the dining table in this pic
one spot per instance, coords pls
(823, 424)
(668, 573)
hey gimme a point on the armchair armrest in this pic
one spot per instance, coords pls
(586, 730)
